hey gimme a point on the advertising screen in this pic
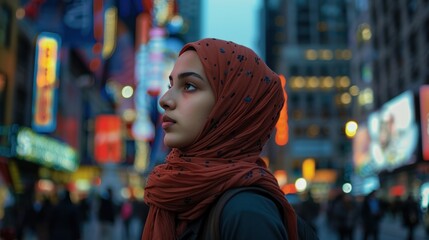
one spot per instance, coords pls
(107, 139)
(393, 132)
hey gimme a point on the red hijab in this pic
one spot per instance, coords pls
(249, 97)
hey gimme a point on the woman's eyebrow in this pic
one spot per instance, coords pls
(188, 74)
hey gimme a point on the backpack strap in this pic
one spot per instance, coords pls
(211, 229)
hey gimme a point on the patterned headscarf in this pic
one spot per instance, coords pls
(249, 97)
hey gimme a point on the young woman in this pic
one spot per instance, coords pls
(222, 104)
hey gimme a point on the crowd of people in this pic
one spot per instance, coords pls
(345, 213)
(63, 215)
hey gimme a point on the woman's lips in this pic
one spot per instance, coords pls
(167, 121)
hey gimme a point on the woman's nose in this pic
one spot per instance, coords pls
(166, 101)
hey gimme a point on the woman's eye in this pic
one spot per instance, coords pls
(169, 86)
(190, 87)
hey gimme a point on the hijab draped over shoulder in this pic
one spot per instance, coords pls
(249, 97)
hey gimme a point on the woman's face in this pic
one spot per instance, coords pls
(187, 103)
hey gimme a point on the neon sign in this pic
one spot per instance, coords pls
(45, 151)
(46, 82)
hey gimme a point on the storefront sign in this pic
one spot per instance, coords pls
(45, 151)
(108, 141)
(424, 117)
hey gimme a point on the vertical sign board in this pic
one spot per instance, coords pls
(108, 141)
(46, 82)
(424, 117)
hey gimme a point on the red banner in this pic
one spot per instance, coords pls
(108, 140)
(424, 117)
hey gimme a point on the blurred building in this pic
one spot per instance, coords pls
(400, 39)
(190, 10)
(307, 41)
(389, 66)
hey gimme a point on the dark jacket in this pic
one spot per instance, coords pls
(247, 215)
(64, 220)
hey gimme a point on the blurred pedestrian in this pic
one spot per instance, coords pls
(43, 215)
(106, 214)
(84, 206)
(345, 214)
(371, 216)
(396, 207)
(410, 216)
(64, 220)
(222, 104)
(310, 210)
(426, 220)
(27, 228)
(126, 216)
(333, 197)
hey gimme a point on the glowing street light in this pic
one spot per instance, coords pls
(351, 129)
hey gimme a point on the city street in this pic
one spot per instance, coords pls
(389, 230)
(108, 104)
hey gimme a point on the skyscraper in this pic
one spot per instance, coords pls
(307, 41)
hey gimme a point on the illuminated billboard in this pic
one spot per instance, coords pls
(390, 138)
(46, 70)
(46, 151)
(108, 139)
(393, 133)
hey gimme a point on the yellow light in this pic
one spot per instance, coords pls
(47, 61)
(344, 81)
(129, 115)
(351, 129)
(300, 184)
(366, 34)
(327, 82)
(309, 169)
(299, 82)
(110, 20)
(313, 82)
(366, 97)
(281, 177)
(325, 54)
(354, 90)
(311, 54)
(346, 98)
(127, 91)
